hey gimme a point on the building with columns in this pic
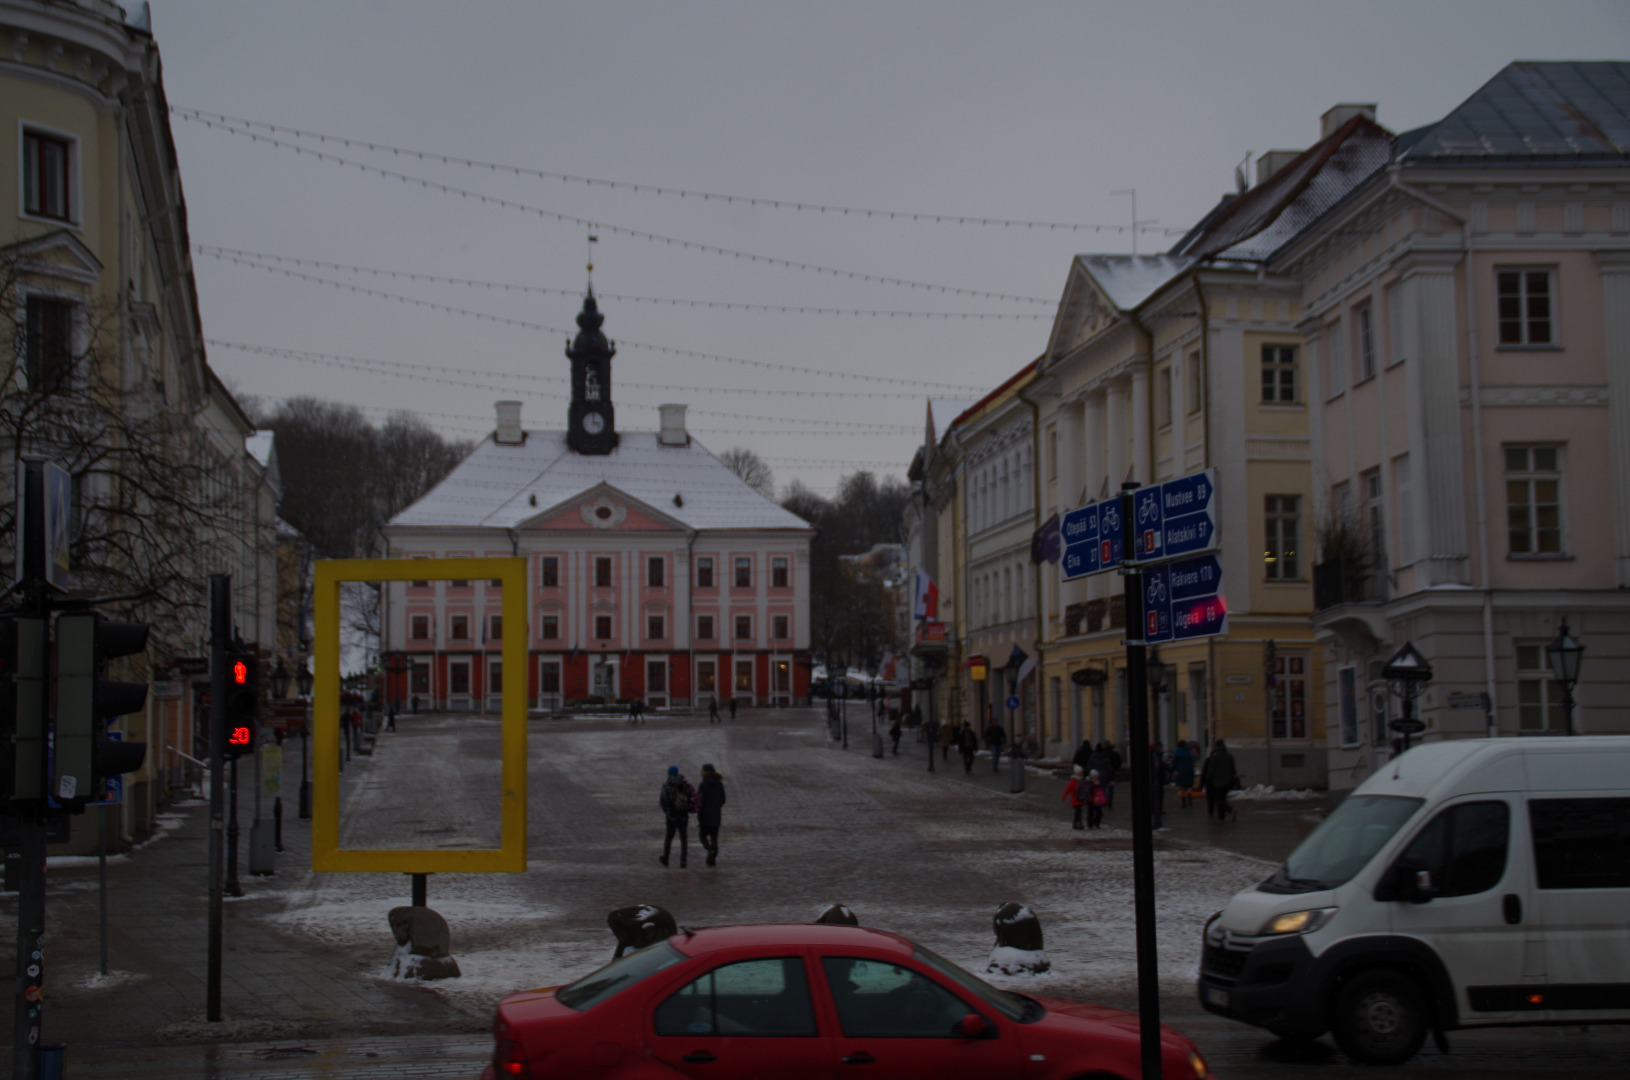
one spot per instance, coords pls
(1160, 366)
(654, 573)
(1466, 312)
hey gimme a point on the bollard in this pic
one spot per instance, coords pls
(1015, 765)
(877, 744)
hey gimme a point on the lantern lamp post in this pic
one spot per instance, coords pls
(1564, 654)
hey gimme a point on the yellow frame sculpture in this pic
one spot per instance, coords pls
(326, 854)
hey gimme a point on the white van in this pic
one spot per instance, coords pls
(1469, 883)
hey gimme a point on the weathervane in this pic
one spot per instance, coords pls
(592, 241)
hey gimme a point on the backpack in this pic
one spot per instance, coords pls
(1098, 797)
(675, 799)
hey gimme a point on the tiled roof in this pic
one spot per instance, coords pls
(1537, 112)
(495, 486)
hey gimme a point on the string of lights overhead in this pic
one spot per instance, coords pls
(246, 126)
(587, 223)
(504, 320)
(215, 251)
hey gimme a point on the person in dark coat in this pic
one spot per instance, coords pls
(732, 707)
(995, 739)
(709, 802)
(968, 746)
(1083, 755)
(1217, 777)
(1183, 774)
(1104, 765)
(677, 799)
(894, 733)
(713, 710)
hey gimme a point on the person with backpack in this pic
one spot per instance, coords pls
(677, 799)
(1183, 774)
(710, 800)
(1097, 799)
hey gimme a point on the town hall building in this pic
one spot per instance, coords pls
(654, 573)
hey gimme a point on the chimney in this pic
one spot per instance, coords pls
(1340, 114)
(1271, 162)
(509, 431)
(673, 426)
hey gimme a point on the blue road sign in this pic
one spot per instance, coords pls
(1012, 701)
(1092, 538)
(1183, 600)
(1172, 519)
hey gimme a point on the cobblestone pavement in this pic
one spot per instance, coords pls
(807, 823)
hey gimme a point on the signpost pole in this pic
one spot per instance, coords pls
(220, 627)
(1143, 850)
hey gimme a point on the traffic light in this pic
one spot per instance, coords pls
(22, 707)
(242, 701)
(83, 757)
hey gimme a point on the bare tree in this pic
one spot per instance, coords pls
(751, 468)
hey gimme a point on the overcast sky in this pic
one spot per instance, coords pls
(1030, 112)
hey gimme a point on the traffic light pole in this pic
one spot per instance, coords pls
(220, 628)
(29, 983)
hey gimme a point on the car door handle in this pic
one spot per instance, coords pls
(699, 1057)
(862, 1058)
(1512, 905)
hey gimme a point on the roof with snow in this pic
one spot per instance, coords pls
(1129, 280)
(503, 486)
(1563, 113)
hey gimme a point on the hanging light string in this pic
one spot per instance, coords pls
(415, 372)
(503, 320)
(215, 251)
(571, 219)
(239, 125)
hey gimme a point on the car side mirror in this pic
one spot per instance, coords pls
(1409, 881)
(973, 1026)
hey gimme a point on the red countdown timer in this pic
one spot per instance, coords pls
(240, 735)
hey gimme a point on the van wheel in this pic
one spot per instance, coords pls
(1379, 1019)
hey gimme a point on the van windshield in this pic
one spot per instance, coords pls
(1341, 846)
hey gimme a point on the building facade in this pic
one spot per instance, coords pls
(111, 378)
(655, 574)
(1467, 317)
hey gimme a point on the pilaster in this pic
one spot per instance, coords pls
(1615, 266)
(1433, 380)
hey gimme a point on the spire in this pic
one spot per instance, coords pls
(590, 343)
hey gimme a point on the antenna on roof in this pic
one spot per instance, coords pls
(1135, 222)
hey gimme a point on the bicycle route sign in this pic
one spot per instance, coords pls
(1171, 519)
(1183, 600)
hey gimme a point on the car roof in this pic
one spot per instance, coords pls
(715, 938)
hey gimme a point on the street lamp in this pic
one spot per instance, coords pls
(302, 683)
(280, 680)
(1406, 673)
(1564, 654)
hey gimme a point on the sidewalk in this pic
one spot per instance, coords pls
(1263, 829)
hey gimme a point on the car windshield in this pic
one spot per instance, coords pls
(617, 976)
(1012, 1006)
(1343, 844)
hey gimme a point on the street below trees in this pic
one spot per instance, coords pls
(931, 856)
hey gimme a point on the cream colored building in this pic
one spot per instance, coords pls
(1467, 317)
(99, 285)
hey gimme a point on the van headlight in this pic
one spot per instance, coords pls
(1298, 922)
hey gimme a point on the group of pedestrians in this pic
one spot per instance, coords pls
(713, 709)
(679, 800)
(1094, 768)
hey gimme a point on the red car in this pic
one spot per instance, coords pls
(800, 1002)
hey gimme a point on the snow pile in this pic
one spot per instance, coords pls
(1268, 793)
(1006, 960)
(113, 980)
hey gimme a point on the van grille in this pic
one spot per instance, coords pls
(1223, 963)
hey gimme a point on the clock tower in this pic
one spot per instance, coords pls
(590, 421)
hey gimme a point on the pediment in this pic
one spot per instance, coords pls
(602, 508)
(1084, 311)
(60, 255)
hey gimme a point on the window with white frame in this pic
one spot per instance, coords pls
(458, 628)
(50, 169)
(495, 628)
(782, 627)
(549, 627)
(1364, 341)
(1539, 696)
(1288, 696)
(704, 572)
(744, 572)
(704, 627)
(1278, 374)
(419, 628)
(656, 572)
(550, 571)
(602, 627)
(656, 626)
(495, 677)
(1375, 517)
(1281, 553)
(744, 627)
(780, 575)
(1524, 306)
(48, 343)
(1533, 496)
(602, 571)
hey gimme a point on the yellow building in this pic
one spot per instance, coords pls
(1161, 366)
(109, 377)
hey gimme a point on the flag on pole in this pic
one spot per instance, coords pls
(927, 604)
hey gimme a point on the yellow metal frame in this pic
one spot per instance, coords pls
(326, 854)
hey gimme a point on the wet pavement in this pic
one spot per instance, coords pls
(807, 823)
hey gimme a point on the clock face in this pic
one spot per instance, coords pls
(593, 423)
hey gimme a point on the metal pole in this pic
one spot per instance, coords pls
(232, 886)
(26, 1006)
(305, 784)
(102, 879)
(1567, 707)
(1143, 850)
(420, 882)
(220, 620)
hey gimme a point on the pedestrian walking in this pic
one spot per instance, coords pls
(1083, 754)
(1097, 799)
(1102, 762)
(1075, 793)
(732, 707)
(677, 799)
(709, 802)
(1217, 776)
(894, 734)
(713, 710)
(947, 739)
(390, 717)
(995, 739)
(968, 746)
(1183, 774)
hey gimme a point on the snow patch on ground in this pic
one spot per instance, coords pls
(361, 921)
(1267, 792)
(78, 862)
(1006, 960)
(113, 980)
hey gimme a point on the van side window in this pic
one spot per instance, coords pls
(1464, 847)
(1581, 843)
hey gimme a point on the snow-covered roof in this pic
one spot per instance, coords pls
(503, 486)
(259, 446)
(1129, 280)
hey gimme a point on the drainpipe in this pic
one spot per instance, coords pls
(1037, 636)
(1208, 721)
(1478, 470)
